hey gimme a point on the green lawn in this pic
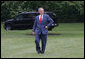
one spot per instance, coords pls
(70, 44)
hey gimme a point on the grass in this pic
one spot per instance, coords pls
(70, 44)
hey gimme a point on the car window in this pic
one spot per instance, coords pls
(19, 17)
(26, 16)
(29, 15)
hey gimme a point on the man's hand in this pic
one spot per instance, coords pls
(46, 27)
(33, 33)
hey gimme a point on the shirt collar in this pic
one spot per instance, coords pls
(39, 17)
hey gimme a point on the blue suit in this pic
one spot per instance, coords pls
(40, 31)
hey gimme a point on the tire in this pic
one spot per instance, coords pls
(8, 27)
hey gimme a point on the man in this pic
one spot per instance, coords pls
(40, 29)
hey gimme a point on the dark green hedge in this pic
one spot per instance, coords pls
(66, 11)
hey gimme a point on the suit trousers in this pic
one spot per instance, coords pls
(43, 38)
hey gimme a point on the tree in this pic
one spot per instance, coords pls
(66, 11)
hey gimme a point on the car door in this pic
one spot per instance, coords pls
(19, 21)
(28, 20)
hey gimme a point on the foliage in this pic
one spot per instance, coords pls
(66, 11)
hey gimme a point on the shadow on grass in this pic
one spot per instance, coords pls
(48, 34)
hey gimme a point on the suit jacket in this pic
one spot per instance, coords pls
(38, 28)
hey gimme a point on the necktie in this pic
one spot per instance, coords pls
(40, 19)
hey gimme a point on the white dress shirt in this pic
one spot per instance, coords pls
(39, 17)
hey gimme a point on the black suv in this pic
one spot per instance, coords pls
(25, 20)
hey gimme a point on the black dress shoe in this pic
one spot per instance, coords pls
(38, 52)
(42, 52)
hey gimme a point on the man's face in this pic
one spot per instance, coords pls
(41, 11)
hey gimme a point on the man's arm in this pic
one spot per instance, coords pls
(50, 21)
(34, 26)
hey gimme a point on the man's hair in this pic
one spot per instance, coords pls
(40, 8)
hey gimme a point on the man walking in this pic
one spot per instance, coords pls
(40, 30)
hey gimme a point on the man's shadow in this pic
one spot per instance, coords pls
(47, 34)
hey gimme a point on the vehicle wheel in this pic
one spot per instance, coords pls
(8, 27)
